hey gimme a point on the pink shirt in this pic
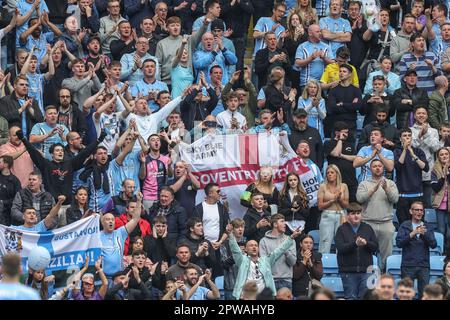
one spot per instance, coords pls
(157, 170)
(23, 165)
(443, 205)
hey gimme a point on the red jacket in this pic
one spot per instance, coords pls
(143, 225)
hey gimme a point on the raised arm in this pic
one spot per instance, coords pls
(26, 65)
(51, 65)
(177, 58)
(22, 19)
(136, 215)
(50, 218)
(104, 106)
(126, 150)
(104, 287)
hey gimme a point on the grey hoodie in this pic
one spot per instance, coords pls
(399, 45)
(282, 269)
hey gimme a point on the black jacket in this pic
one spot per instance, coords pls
(251, 218)
(285, 209)
(237, 17)
(161, 249)
(204, 262)
(346, 112)
(176, 220)
(24, 199)
(58, 176)
(189, 108)
(224, 218)
(9, 109)
(9, 186)
(303, 274)
(352, 258)
(186, 15)
(118, 48)
(369, 110)
(73, 214)
(418, 96)
(311, 135)
(263, 65)
(78, 121)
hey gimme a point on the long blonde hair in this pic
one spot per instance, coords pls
(438, 168)
(319, 90)
(309, 9)
(258, 181)
(338, 176)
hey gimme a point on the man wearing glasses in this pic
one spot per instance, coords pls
(69, 115)
(378, 196)
(416, 239)
(356, 243)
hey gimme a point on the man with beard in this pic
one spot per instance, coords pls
(118, 204)
(33, 36)
(109, 25)
(425, 63)
(100, 61)
(391, 136)
(70, 115)
(400, 44)
(112, 240)
(23, 165)
(126, 42)
(185, 185)
(196, 291)
(301, 131)
(34, 195)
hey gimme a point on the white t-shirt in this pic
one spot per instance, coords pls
(224, 119)
(256, 275)
(112, 123)
(211, 223)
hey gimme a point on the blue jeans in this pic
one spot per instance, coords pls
(422, 275)
(355, 284)
(442, 218)
(283, 283)
(329, 223)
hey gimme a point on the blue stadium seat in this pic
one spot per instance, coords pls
(335, 284)
(436, 265)
(219, 284)
(315, 235)
(430, 219)
(395, 250)
(330, 265)
(439, 250)
(393, 264)
(375, 260)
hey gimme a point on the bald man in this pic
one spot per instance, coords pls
(23, 165)
(312, 56)
(284, 294)
(437, 106)
(113, 241)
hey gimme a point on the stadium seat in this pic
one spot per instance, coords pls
(330, 265)
(335, 284)
(436, 265)
(219, 284)
(395, 250)
(430, 219)
(439, 250)
(393, 264)
(375, 260)
(315, 235)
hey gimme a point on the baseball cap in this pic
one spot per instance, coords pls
(300, 112)
(217, 24)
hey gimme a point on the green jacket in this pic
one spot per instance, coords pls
(437, 110)
(249, 110)
(265, 264)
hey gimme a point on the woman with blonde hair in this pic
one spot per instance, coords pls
(440, 178)
(293, 201)
(264, 185)
(311, 100)
(308, 14)
(332, 199)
